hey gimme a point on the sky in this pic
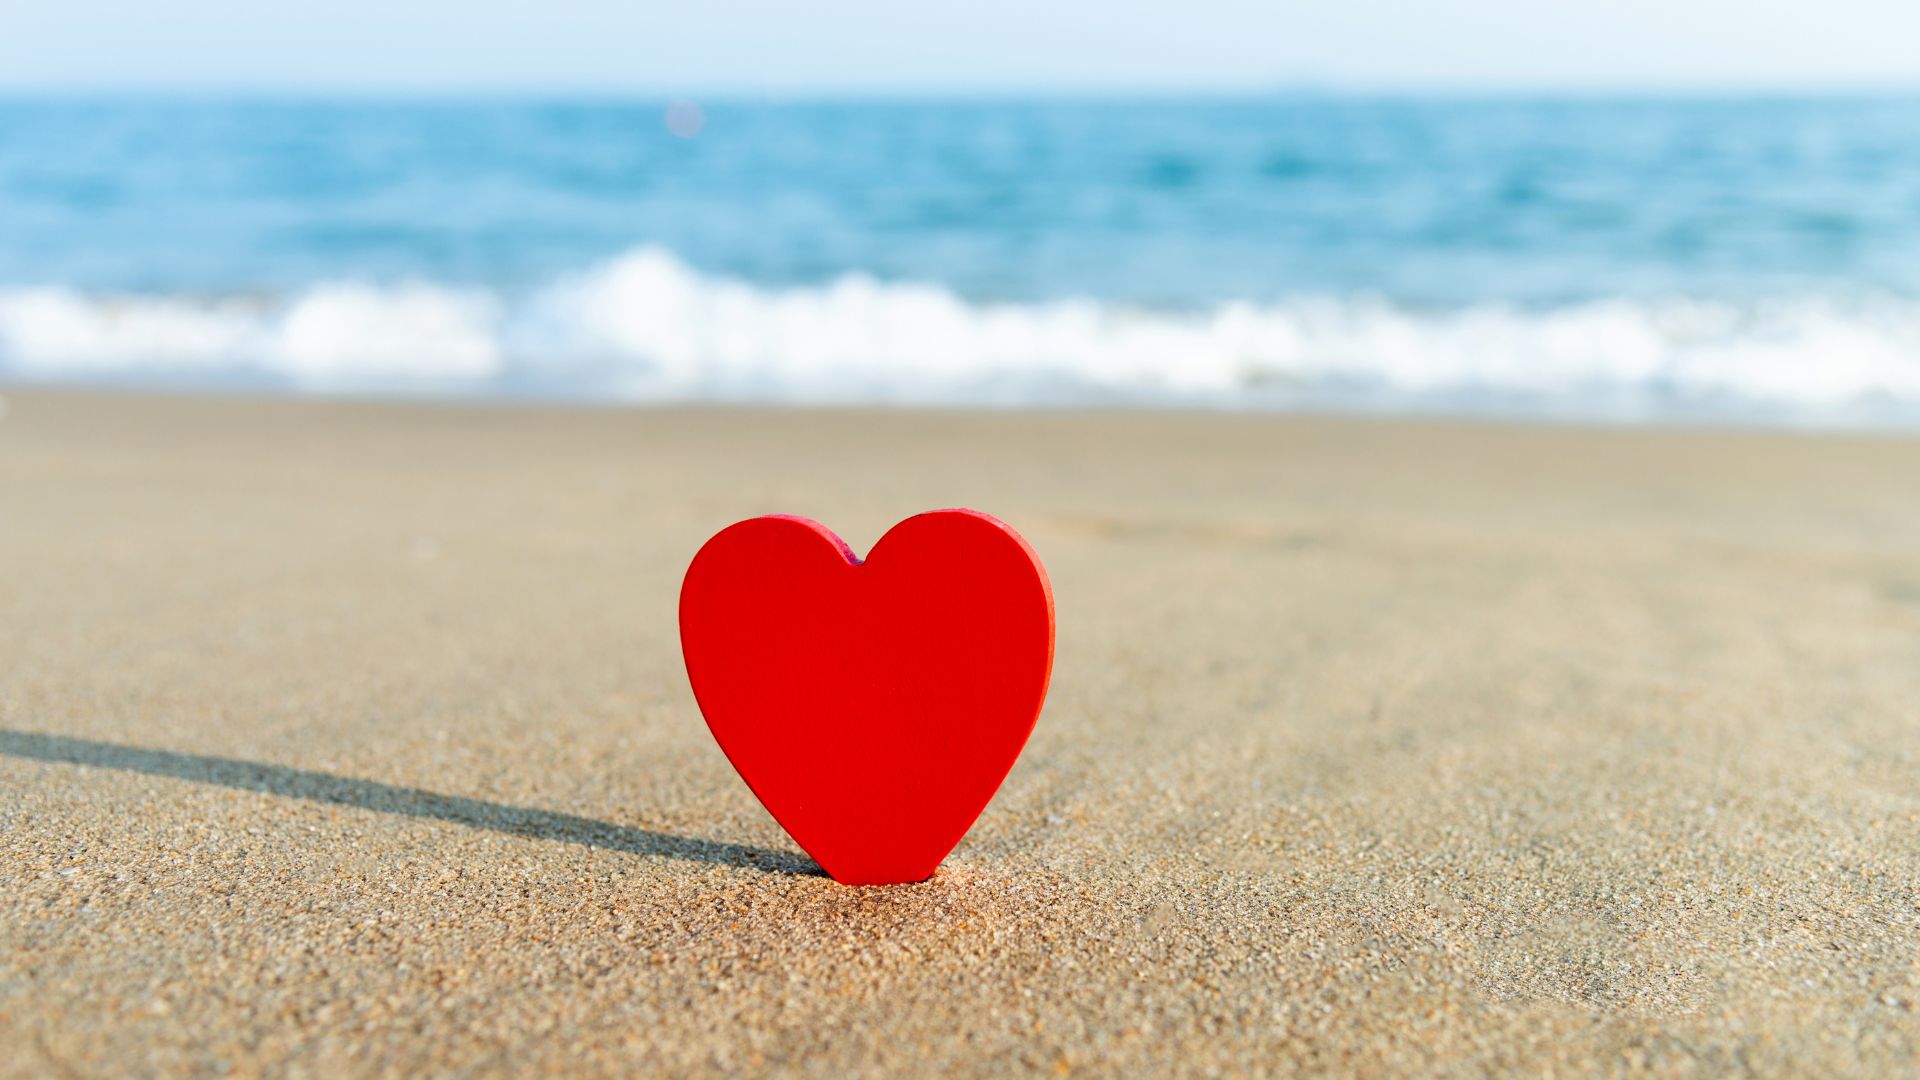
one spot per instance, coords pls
(798, 47)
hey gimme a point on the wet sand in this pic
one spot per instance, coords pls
(353, 739)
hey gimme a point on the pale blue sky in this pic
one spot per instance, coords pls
(876, 46)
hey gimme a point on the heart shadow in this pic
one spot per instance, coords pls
(382, 798)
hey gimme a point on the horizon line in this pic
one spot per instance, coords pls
(740, 94)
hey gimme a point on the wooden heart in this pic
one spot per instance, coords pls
(873, 707)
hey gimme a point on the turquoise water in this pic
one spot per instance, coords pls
(1755, 259)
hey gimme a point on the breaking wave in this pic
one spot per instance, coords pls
(645, 327)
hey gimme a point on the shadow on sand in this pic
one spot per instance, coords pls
(393, 799)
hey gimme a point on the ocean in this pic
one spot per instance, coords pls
(1752, 260)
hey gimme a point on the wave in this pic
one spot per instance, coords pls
(645, 327)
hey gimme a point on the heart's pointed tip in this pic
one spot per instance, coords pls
(882, 879)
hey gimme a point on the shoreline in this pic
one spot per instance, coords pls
(1412, 416)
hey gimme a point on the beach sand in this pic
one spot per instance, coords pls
(353, 738)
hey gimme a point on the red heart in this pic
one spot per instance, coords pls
(873, 707)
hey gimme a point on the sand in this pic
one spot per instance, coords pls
(353, 739)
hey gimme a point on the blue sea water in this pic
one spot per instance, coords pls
(1755, 259)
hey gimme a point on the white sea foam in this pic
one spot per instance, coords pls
(645, 327)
